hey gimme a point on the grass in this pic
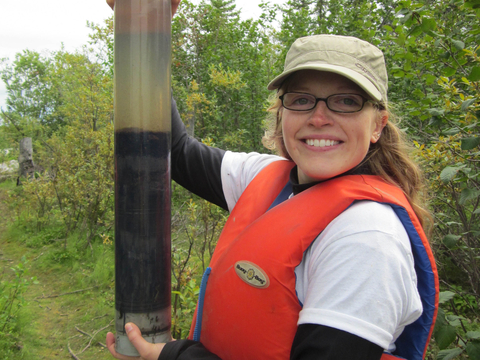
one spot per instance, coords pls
(71, 305)
(72, 302)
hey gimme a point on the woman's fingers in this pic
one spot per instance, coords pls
(146, 350)
(111, 348)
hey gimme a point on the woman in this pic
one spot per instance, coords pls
(323, 255)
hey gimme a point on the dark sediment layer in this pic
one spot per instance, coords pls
(142, 220)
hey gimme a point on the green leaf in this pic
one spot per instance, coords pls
(454, 320)
(441, 321)
(452, 131)
(473, 334)
(468, 194)
(459, 45)
(446, 295)
(418, 94)
(467, 103)
(448, 71)
(472, 4)
(434, 34)
(474, 74)
(400, 40)
(407, 17)
(430, 79)
(449, 354)
(445, 335)
(398, 74)
(417, 30)
(434, 121)
(428, 24)
(450, 241)
(403, 11)
(470, 143)
(444, 55)
(436, 111)
(449, 173)
(473, 350)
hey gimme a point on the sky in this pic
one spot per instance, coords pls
(44, 25)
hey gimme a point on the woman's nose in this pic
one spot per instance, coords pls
(321, 114)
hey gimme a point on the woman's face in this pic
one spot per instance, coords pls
(323, 143)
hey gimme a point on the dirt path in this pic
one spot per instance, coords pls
(60, 312)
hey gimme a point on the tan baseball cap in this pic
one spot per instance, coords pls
(357, 60)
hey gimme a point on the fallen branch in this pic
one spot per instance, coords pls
(83, 332)
(71, 352)
(93, 336)
(41, 305)
(98, 317)
(68, 293)
(37, 257)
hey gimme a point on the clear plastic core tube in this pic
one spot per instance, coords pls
(142, 169)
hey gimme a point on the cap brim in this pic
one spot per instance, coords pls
(354, 76)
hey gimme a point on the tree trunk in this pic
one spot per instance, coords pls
(25, 159)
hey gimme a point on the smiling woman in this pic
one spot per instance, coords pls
(323, 255)
(348, 131)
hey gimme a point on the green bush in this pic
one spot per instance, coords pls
(457, 330)
(11, 300)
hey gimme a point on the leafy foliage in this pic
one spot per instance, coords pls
(11, 300)
(453, 328)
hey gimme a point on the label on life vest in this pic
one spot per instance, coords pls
(252, 274)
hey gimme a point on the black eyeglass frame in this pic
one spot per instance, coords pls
(317, 100)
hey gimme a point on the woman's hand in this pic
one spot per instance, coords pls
(146, 350)
(174, 5)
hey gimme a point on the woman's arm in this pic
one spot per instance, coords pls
(196, 166)
(312, 342)
(315, 342)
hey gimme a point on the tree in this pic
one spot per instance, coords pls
(435, 79)
(220, 73)
(31, 95)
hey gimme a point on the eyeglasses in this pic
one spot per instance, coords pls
(340, 103)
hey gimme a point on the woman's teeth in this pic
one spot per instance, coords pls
(321, 142)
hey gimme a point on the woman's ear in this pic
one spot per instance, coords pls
(381, 122)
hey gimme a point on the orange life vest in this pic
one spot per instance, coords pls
(250, 307)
